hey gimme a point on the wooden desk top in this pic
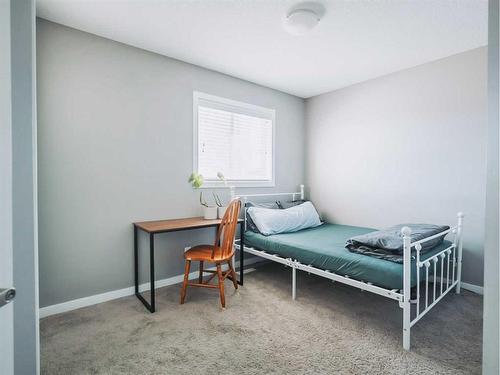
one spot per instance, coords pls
(159, 226)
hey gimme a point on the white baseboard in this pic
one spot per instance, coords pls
(472, 288)
(108, 296)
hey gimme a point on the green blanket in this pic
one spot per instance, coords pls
(324, 247)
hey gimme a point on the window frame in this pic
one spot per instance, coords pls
(248, 109)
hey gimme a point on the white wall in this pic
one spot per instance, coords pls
(407, 147)
(115, 146)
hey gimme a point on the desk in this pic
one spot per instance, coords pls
(165, 226)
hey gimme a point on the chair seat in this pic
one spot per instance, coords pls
(204, 253)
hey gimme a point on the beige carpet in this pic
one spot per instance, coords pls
(329, 329)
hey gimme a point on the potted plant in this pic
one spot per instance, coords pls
(196, 181)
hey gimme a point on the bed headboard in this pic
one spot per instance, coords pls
(244, 198)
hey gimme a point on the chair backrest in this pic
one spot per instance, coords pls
(227, 230)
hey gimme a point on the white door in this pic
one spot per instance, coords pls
(6, 273)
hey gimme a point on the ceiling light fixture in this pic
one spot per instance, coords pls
(303, 18)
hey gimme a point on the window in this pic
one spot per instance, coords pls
(234, 138)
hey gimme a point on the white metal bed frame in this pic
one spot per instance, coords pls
(441, 285)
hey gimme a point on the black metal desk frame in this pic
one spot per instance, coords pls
(151, 306)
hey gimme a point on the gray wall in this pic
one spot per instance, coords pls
(491, 333)
(115, 146)
(407, 147)
(24, 201)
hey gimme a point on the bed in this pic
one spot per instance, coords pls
(321, 251)
(323, 247)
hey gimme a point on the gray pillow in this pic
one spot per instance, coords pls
(288, 204)
(250, 224)
(391, 239)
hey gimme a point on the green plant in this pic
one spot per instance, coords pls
(203, 202)
(196, 181)
(217, 199)
(221, 177)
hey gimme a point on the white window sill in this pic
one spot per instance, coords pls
(237, 184)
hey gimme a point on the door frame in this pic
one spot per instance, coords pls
(24, 186)
(6, 252)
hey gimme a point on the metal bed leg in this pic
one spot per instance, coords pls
(242, 252)
(406, 326)
(294, 282)
(406, 304)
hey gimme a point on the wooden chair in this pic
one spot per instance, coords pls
(221, 252)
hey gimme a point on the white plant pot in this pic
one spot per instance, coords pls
(221, 211)
(210, 213)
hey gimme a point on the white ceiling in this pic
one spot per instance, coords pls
(354, 42)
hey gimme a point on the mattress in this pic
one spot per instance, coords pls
(323, 248)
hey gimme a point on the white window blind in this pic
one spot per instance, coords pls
(233, 138)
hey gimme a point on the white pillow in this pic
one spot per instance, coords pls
(271, 221)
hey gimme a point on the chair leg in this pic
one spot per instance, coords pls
(221, 285)
(233, 274)
(200, 278)
(185, 283)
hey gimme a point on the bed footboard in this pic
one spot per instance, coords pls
(443, 270)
